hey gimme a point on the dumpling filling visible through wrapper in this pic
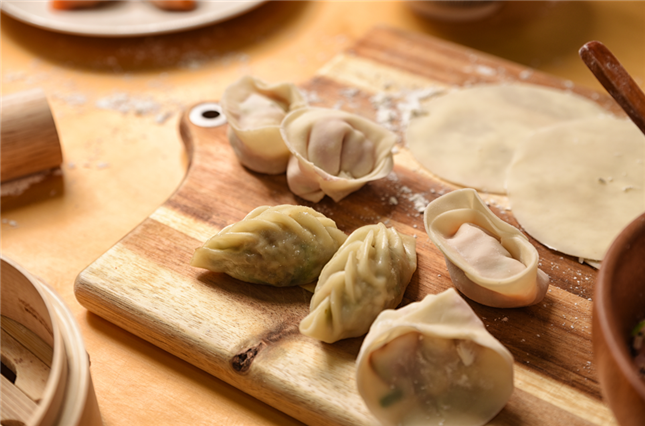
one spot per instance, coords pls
(433, 363)
(334, 152)
(368, 273)
(490, 261)
(281, 246)
(254, 110)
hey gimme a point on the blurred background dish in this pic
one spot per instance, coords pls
(124, 18)
(456, 10)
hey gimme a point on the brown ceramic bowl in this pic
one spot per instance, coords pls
(618, 305)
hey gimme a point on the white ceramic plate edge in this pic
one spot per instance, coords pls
(124, 18)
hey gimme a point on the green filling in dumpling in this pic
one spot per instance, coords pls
(281, 246)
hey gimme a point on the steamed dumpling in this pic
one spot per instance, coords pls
(254, 110)
(369, 273)
(281, 246)
(433, 363)
(490, 261)
(334, 152)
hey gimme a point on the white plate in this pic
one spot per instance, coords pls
(123, 18)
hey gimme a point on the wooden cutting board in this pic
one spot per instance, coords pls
(247, 335)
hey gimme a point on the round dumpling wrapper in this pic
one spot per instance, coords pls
(469, 135)
(575, 186)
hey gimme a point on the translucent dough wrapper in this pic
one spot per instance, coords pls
(433, 363)
(254, 111)
(368, 274)
(469, 135)
(281, 246)
(334, 152)
(478, 272)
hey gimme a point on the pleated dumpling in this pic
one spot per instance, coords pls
(490, 261)
(368, 274)
(334, 152)
(281, 246)
(433, 363)
(254, 111)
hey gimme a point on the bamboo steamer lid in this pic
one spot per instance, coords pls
(36, 320)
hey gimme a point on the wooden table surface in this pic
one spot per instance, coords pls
(120, 166)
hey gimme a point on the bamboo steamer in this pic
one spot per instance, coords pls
(39, 330)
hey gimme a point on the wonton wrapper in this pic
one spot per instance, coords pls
(444, 217)
(575, 186)
(334, 152)
(469, 135)
(254, 111)
(281, 246)
(433, 363)
(368, 273)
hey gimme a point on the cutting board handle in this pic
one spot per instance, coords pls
(28, 138)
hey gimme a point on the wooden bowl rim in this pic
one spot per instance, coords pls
(607, 321)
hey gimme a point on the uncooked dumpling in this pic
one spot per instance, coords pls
(334, 152)
(368, 273)
(480, 249)
(490, 261)
(575, 186)
(254, 110)
(433, 363)
(281, 246)
(469, 135)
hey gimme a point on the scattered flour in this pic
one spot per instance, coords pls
(125, 103)
(420, 202)
(19, 185)
(74, 99)
(485, 70)
(400, 107)
(310, 96)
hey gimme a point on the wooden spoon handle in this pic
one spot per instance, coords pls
(611, 74)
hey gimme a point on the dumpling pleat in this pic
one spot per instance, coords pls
(281, 246)
(364, 277)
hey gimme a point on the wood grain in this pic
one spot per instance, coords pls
(31, 372)
(247, 334)
(29, 339)
(29, 140)
(16, 406)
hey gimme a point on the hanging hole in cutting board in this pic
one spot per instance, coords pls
(208, 114)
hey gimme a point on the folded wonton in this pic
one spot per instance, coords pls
(489, 261)
(281, 246)
(368, 273)
(433, 363)
(254, 110)
(334, 152)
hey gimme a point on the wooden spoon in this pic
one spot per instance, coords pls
(611, 74)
